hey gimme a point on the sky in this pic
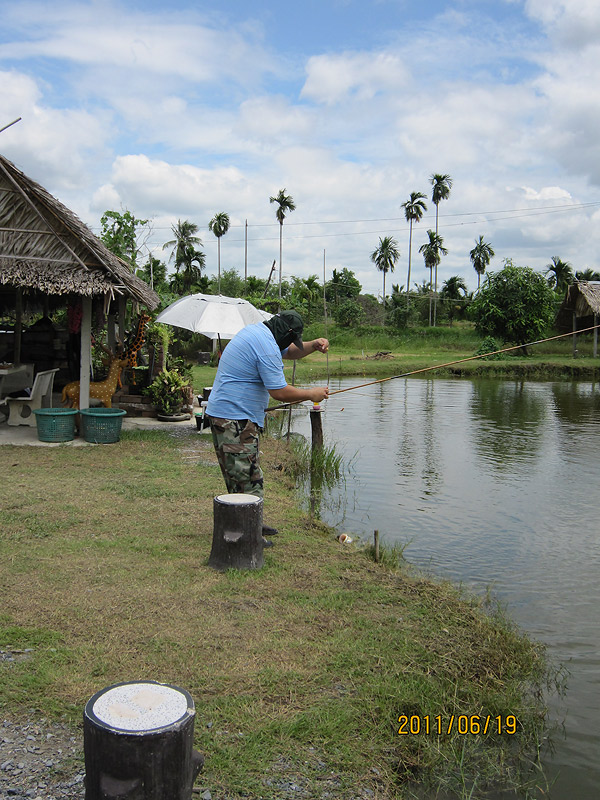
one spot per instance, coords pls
(181, 110)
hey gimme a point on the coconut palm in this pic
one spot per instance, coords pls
(480, 256)
(219, 225)
(433, 250)
(185, 255)
(451, 291)
(587, 275)
(285, 203)
(561, 274)
(384, 257)
(441, 191)
(413, 211)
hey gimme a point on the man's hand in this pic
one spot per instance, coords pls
(322, 345)
(320, 393)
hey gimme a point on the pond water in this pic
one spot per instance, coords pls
(492, 483)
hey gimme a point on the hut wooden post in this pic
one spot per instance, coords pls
(595, 336)
(86, 352)
(574, 334)
(18, 325)
(237, 533)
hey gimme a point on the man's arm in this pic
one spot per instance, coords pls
(293, 394)
(315, 346)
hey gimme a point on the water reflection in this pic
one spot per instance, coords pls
(493, 483)
(507, 421)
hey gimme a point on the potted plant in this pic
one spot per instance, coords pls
(170, 392)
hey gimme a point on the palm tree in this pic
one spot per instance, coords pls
(587, 275)
(432, 251)
(219, 225)
(413, 211)
(384, 257)
(561, 274)
(284, 203)
(185, 255)
(480, 256)
(451, 291)
(441, 191)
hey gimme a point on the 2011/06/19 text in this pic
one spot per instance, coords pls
(462, 724)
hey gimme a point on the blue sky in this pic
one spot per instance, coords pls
(181, 110)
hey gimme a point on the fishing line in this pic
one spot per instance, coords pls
(447, 364)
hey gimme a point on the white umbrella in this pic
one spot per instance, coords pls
(213, 315)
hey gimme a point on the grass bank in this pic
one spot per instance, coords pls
(355, 353)
(300, 671)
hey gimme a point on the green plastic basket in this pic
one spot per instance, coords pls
(55, 424)
(101, 425)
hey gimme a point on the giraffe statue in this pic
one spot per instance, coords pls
(136, 343)
(102, 390)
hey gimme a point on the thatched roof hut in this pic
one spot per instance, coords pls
(44, 247)
(580, 310)
(582, 302)
(48, 257)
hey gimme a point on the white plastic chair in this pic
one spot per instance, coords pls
(20, 409)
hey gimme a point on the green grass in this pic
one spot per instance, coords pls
(300, 669)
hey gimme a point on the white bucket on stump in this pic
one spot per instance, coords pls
(237, 533)
(138, 743)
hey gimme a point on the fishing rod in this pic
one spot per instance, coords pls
(441, 366)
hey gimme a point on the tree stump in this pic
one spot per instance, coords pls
(237, 533)
(138, 743)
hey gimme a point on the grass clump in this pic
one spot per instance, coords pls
(299, 671)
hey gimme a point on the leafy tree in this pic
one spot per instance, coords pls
(451, 293)
(305, 293)
(254, 285)
(230, 283)
(441, 191)
(219, 225)
(413, 211)
(349, 314)
(342, 286)
(514, 305)
(285, 203)
(385, 256)
(587, 275)
(561, 274)
(154, 272)
(185, 256)
(433, 250)
(480, 256)
(119, 234)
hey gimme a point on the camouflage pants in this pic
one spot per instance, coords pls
(236, 446)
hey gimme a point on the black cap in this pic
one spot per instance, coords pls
(295, 324)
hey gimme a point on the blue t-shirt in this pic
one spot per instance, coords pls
(251, 364)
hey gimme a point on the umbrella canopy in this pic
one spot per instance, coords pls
(213, 315)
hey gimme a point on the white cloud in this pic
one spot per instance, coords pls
(332, 79)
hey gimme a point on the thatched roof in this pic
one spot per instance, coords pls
(45, 247)
(583, 299)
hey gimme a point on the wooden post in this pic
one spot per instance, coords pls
(316, 427)
(595, 336)
(237, 534)
(376, 543)
(86, 352)
(574, 335)
(138, 743)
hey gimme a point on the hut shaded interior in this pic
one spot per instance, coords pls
(49, 261)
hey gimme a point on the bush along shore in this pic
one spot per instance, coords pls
(322, 675)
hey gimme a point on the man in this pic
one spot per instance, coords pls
(251, 369)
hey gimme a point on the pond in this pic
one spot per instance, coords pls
(494, 484)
